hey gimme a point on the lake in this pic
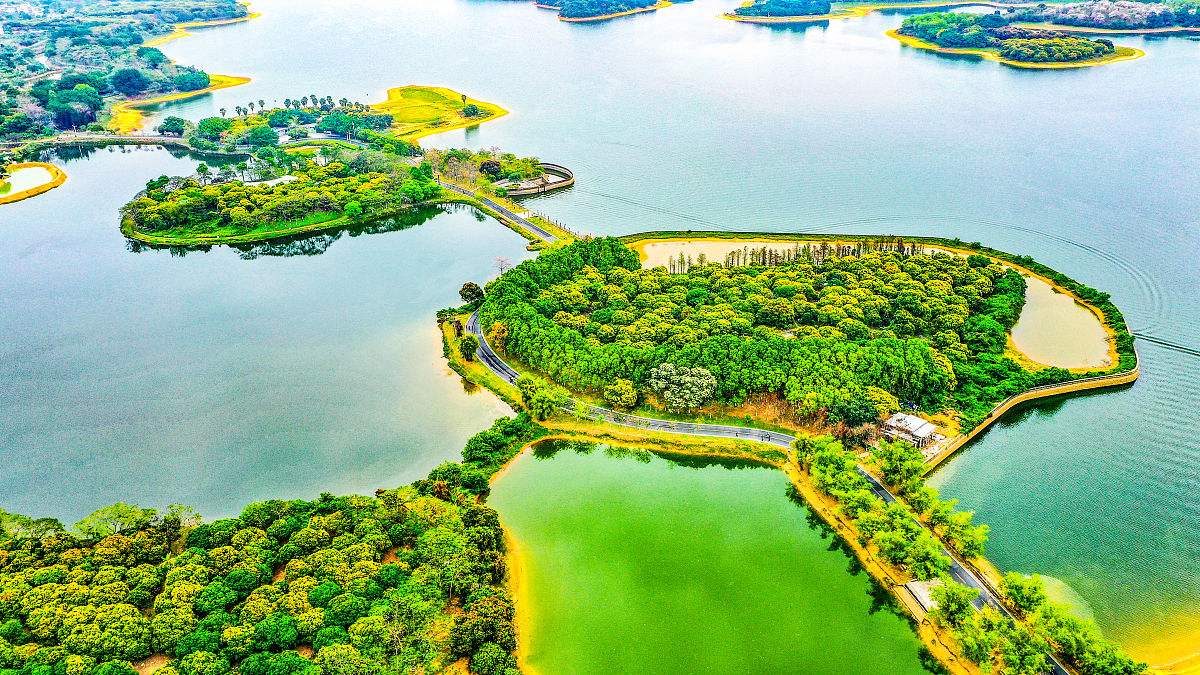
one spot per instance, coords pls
(216, 380)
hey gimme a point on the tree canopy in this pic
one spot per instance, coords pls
(843, 336)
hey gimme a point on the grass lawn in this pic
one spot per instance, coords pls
(420, 111)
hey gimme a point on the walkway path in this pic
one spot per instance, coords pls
(960, 572)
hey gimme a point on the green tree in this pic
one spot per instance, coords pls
(112, 519)
(621, 394)
(258, 137)
(953, 601)
(467, 346)
(353, 210)
(471, 293)
(683, 388)
(173, 125)
(129, 81)
(1027, 594)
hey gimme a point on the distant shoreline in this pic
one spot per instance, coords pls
(604, 17)
(1120, 54)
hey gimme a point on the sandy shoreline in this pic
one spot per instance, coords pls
(1129, 54)
(57, 177)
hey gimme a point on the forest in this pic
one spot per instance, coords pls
(356, 185)
(98, 48)
(1116, 14)
(992, 31)
(582, 9)
(410, 580)
(784, 8)
(828, 333)
(893, 533)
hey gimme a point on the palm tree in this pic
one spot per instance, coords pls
(304, 101)
(287, 103)
(251, 104)
(222, 112)
(344, 101)
(262, 105)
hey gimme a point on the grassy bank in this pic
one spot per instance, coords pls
(421, 111)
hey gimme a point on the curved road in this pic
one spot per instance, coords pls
(960, 572)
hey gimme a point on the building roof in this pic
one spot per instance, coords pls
(913, 425)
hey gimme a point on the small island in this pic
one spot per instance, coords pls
(580, 11)
(282, 192)
(993, 37)
(776, 9)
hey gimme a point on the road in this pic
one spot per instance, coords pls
(957, 570)
(518, 220)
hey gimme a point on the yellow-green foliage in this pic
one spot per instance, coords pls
(245, 592)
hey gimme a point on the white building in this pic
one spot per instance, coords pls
(919, 432)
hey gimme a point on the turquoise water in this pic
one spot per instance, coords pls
(321, 372)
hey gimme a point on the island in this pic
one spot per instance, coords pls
(286, 191)
(580, 11)
(812, 11)
(993, 37)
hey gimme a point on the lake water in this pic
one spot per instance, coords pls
(217, 380)
(650, 567)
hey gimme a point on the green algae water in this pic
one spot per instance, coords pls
(634, 564)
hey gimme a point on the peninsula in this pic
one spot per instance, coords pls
(555, 316)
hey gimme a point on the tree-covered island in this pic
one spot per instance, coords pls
(994, 34)
(596, 10)
(778, 8)
(845, 336)
(280, 191)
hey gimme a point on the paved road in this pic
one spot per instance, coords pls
(519, 220)
(960, 572)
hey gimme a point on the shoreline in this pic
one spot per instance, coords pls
(1166, 30)
(57, 177)
(126, 117)
(180, 29)
(1129, 54)
(604, 17)
(859, 11)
